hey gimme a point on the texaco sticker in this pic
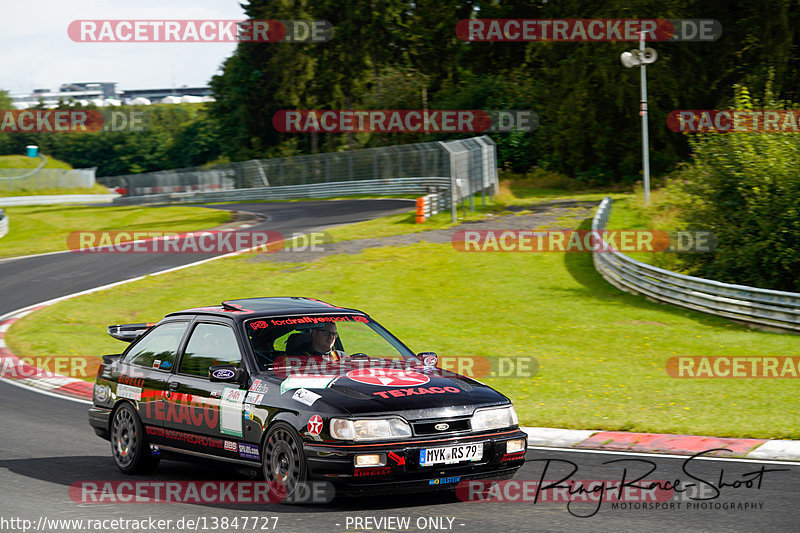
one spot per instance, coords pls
(315, 425)
(388, 377)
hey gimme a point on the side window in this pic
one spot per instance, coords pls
(210, 344)
(158, 348)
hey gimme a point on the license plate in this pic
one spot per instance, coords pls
(451, 454)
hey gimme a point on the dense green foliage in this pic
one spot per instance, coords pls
(745, 187)
(394, 54)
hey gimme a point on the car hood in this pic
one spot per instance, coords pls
(364, 389)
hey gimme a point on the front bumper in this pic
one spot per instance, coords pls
(334, 462)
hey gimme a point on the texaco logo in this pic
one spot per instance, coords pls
(315, 425)
(388, 377)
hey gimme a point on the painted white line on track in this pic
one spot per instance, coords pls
(244, 225)
(665, 455)
(46, 393)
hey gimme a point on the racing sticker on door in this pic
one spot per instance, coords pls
(230, 409)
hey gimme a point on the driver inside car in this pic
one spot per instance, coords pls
(323, 339)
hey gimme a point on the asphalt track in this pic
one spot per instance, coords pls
(46, 445)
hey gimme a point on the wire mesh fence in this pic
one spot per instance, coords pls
(469, 166)
(46, 178)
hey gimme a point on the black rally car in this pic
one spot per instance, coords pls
(246, 382)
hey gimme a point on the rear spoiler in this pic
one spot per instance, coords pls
(129, 332)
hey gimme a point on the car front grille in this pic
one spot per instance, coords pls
(456, 425)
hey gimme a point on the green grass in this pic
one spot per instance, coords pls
(602, 352)
(21, 161)
(8, 188)
(40, 229)
(96, 189)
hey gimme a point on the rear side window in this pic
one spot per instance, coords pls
(158, 348)
(210, 344)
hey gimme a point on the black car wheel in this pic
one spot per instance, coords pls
(129, 444)
(283, 459)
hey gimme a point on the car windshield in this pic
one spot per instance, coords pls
(350, 336)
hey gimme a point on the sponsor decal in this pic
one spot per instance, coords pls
(375, 471)
(444, 480)
(397, 393)
(229, 446)
(132, 393)
(166, 365)
(249, 451)
(396, 458)
(430, 360)
(307, 382)
(223, 373)
(315, 425)
(306, 397)
(388, 377)
(157, 363)
(133, 382)
(231, 410)
(255, 385)
(248, 414)
(317, 320)
(101, 392)
(513, 456)
(189, 438)
(184, 409)
(253, 398)
(154, 451)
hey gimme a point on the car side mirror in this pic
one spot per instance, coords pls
(226, 374)
(428, 358)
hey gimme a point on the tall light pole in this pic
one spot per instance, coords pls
(640, 58)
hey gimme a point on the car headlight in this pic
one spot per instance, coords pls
(369, 428)
(494, 418)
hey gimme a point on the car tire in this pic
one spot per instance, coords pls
(283, 460)
(129, 444)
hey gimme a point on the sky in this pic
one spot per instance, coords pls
(36, 52)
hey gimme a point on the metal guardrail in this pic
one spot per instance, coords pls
(3, 223)
(751, 305)
(287, 192)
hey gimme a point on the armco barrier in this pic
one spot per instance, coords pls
(311, 190)
(751, 305)
(3, 223)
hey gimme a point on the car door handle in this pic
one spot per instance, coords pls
(173, 385)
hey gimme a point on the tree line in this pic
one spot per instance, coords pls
(392, 54)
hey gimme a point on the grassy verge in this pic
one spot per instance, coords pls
(96, 189)
(602, 353)
(21, 161)
(40, 229)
